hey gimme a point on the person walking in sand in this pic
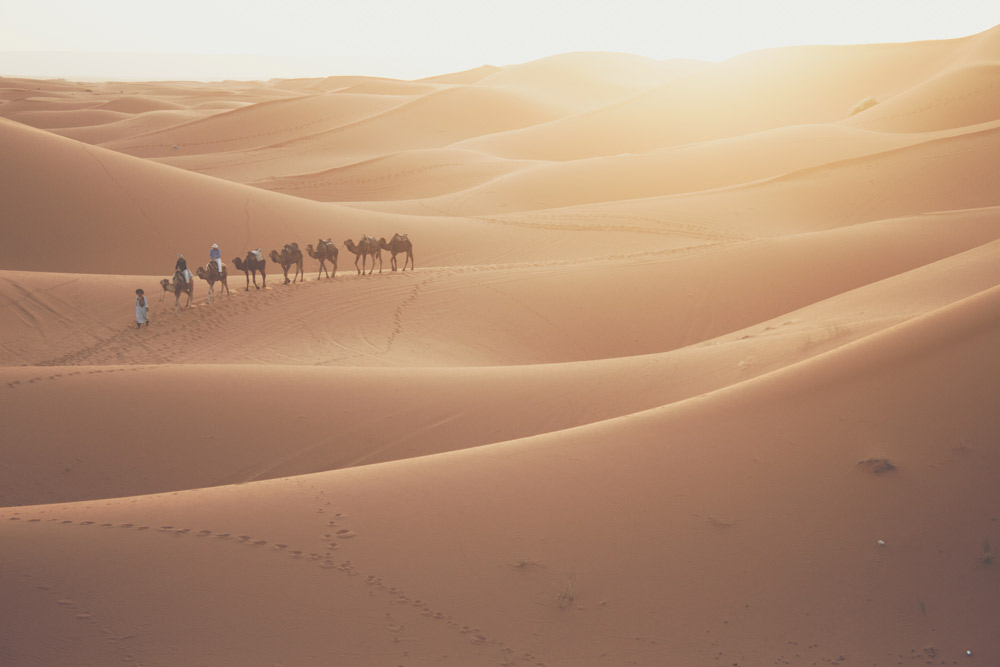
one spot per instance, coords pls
(141, 309)
(216, 255)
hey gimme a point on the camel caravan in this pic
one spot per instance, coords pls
(290, 255)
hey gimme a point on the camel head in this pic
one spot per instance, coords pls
(349, 244)
(201, 273)
(382, 243)
(275, 257)
(310, 250)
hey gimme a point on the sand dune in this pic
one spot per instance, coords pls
(469, 76)
(259, 125)
(771, 89)
(138, 104)
(132, 126)
(691, 167)
(589, 80)
(958, 98)
(61, 119)
(145, 211)
(478, 576)
(411, 175)
(434, 120)
(697, 365)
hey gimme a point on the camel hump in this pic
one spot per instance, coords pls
(257, 255)
(401, 237)
(328, 241)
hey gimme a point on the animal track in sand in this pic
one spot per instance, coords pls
(395, 596)
(58, 376)
(79, 613)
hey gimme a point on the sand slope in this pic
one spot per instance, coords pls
(695, 366)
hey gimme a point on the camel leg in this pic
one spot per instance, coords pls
(379, 263)
(247, 274)
(392, 261)
(263, 279)
(409, 258)
(356, 258)
(285, 271)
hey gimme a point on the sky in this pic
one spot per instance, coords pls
(213, 39)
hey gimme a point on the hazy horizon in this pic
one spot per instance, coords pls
(394, 39)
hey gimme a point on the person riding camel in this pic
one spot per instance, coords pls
(181, 268)
(216, 255)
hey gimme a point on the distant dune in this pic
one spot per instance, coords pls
(696, 364)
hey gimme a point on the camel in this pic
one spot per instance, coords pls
(211, 274)
(366, 246)
(178, 286)
(289, 255)
(252, 264)
(325, 250)
(399, 243)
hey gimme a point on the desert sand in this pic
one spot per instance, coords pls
(699, 364)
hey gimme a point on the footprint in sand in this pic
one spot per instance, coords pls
(343, 534)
